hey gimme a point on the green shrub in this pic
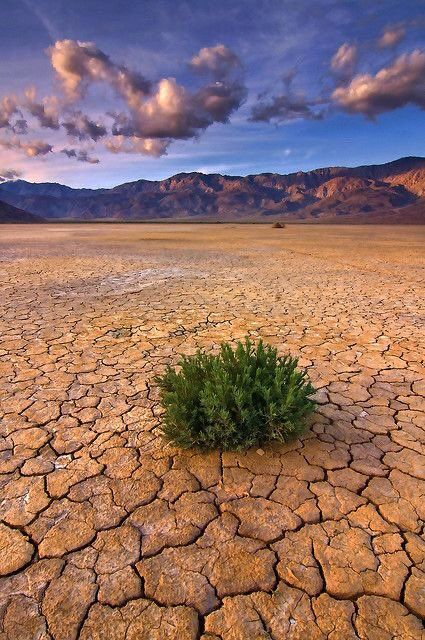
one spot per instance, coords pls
(237, 399)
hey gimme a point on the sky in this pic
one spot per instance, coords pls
(94, 93)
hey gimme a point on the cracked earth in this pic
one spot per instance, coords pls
(109, 533)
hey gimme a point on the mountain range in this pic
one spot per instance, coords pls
(388, 193)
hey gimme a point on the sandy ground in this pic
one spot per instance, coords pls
(108, 533)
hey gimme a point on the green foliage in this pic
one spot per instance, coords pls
(237, 399)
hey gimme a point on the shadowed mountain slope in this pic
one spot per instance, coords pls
(11, 214)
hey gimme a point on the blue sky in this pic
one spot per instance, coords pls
(281, 100)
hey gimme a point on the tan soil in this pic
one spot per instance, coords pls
(108, 533)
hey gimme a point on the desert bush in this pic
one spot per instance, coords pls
(239, 398)
(278, 225)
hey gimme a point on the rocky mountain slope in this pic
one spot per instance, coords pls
(393, 192)
(11, 214)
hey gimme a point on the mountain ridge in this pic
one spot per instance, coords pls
(327, 194)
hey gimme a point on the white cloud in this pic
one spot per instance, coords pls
(391, 36)
(344, 59)
(401, 83)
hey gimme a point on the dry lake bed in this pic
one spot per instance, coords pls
(108, 533)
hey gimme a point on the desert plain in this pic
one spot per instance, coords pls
(107, 532)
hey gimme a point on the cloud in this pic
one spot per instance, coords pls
(32, 148)
(286, 108)
(122, 125)
(146, 146)
(77, 64)
(9, 174)
(81, 155)
(220, 100)
(78, 125)
(46, 111)
(391, 36)
(20, 127)
(157, 113)
(36, 148)
(173, 112)
(401, 83)
(219, 61)
(165, 110)
(8, 108)
(344, 60)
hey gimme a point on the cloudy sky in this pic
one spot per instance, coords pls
(99, 92)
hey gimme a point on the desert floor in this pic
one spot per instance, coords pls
(109, 533)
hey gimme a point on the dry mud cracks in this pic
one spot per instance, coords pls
(108, 534)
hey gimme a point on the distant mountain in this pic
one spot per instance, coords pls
(391, 192)
(11, 214)
(54, 189)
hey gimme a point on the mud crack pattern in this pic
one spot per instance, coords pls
(108, 533)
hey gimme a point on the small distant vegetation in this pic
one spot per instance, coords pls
(278, 225)
(237, 399)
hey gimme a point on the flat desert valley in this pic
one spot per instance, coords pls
(108, 532)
